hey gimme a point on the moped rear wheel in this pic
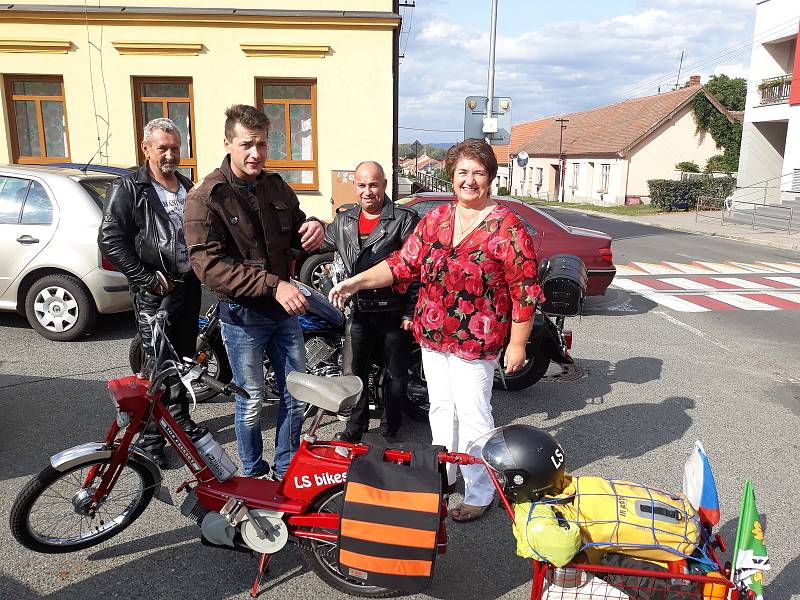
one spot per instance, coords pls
(52, 514)
(321, 555)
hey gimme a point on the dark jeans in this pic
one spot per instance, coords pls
(183, 306)
(371, 336)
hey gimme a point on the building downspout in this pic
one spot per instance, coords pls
(395, 98)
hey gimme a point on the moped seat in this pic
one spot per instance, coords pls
(331, 394)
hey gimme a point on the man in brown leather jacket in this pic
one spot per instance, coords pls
(241, 225)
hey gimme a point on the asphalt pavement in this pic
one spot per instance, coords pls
(648, 381)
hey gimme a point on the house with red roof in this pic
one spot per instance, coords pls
(520, 133)
(609, 153)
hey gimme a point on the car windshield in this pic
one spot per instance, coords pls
(98, 189)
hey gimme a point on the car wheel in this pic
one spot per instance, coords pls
(60, 308)
(313, 272)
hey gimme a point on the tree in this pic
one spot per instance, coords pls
(687, 166)
(731, 93)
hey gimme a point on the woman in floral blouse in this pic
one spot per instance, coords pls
(477, 267)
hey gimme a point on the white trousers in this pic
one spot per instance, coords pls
(460, 394)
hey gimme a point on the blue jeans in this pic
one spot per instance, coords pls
(283, 342)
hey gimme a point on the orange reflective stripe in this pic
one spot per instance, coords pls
(388, 534)
(389, 566)
(365, 494)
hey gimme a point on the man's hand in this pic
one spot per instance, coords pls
(342, 292)
(312, 233)
(161, 285)
(290, 298)
(406, 324)
(514, 358)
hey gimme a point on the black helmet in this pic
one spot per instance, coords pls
(528, 460)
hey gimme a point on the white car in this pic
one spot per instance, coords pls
(51, 270)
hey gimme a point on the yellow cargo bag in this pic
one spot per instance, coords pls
(629, 518)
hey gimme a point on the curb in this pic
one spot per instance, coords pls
(795, 247)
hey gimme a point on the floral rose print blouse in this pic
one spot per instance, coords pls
(469, 294)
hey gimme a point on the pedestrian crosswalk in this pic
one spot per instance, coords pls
(703, 286)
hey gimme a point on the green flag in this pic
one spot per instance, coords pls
(750, 558)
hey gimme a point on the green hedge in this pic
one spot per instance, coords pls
(666, 193)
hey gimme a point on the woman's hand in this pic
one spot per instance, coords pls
(342, 292)
(514, 358)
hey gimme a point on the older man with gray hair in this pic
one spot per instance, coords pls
(142, 236)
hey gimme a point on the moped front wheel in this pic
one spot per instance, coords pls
(321, 555)
(54, 514)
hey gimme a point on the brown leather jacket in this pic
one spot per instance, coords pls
(239, 254)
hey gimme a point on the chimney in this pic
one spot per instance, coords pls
(694, 80)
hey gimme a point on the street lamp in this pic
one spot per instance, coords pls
(561, 158)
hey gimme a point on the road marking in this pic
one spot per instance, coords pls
(675, 302)
(740, 301)
(742, 283)
(652, 269)
(688, 269)
(689, 284)
(778, 266)
(793, 298)
(704, 286)
(631, 285)
(793, 281)
(693, 330)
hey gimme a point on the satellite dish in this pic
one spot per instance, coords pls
(522, 158)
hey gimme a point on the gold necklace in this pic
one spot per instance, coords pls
(472, 223)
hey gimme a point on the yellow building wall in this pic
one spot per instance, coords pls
(673, 143)
(354, 85)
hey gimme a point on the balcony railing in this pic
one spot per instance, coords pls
(775, 90)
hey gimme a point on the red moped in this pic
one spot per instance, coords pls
(93, 491)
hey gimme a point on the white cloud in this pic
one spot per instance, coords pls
(567, 66)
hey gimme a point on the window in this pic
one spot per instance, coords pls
(575, 174)
(604, 172)
(171, 98)
(37, 118)
(291, 105)
(539, 175)
(24, 201)
(98, 189)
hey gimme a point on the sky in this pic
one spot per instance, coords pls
(559, 57)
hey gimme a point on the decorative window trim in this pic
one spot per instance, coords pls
(138, 99)
(158, 48)
(312, 164)
(36, 46)
(16, 155)
(285, 50)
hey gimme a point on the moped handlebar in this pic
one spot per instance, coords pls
(222, 388)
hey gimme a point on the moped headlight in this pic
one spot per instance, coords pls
(123, 419)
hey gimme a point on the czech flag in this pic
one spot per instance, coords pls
(699, 486)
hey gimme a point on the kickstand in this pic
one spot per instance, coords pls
(263, 568)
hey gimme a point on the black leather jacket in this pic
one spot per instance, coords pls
(136, 234)
(396, 224)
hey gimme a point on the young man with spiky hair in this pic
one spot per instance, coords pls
(242, 223)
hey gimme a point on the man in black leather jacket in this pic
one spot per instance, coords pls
(381, 319)
(142, 233)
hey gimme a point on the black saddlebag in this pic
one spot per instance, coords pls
(564, 285)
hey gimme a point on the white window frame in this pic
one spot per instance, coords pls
(605, 175)
(576, 169)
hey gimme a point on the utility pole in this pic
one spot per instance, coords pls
(490, 83)
(562, 160)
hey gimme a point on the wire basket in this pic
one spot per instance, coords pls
(595, 582)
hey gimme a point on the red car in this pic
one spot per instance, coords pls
(550, 236)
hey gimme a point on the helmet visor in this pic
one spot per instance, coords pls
(492, 448)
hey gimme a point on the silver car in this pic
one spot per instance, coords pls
(51, 270)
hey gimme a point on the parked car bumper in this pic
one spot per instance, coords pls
(599, 280)
(109, 290)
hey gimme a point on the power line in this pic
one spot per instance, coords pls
(438, 130)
